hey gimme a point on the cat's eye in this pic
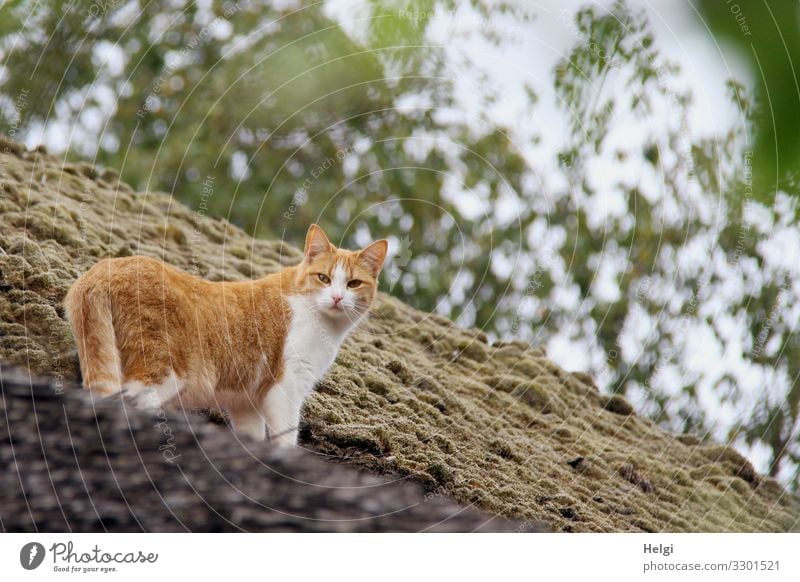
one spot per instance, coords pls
(324, 278)
(352, 284)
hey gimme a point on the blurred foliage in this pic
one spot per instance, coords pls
(278, 115)
(766, 35)
(696, 253)
(287, 117)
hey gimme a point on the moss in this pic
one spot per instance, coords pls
(428, 384)
(564, 434)
(689, 440)
(445, 444)
(14, 270)
(240, 252)
(362, 438)
(440, 472)
(617, 404)
(530, 368)
(400, 370)
(473, 349)
(740, 486)
(534, 395)
(681, 477)
(505, 383)
(384, 309)
(436, 402)
(735, 462)
(631, 474)
(708, 471)
(585, 379)
(774, 491)
(376, 384)
(177, 234)
(503, 450)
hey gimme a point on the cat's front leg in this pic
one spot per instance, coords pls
(247, 422)
(282, 410)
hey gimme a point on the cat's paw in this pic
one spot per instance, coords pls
(287, 439)
(104, 387)
(248, 424)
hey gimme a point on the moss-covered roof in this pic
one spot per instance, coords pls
(411, 394)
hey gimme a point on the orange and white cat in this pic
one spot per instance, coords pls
(253, 348)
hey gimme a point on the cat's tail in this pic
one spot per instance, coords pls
(88, 309)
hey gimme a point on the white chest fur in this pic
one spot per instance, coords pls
(312, 342)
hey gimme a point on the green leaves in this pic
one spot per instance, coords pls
(767, 36)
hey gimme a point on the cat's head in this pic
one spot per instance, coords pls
(341, 284)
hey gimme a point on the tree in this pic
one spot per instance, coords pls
(694, 256)
(766, 35)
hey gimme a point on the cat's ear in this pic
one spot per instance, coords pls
(374, 255)
(316, 243)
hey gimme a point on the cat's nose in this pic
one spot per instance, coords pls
(336, 299)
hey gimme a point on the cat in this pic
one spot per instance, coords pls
(252, 348)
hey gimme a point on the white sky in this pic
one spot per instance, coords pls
(536, 47)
